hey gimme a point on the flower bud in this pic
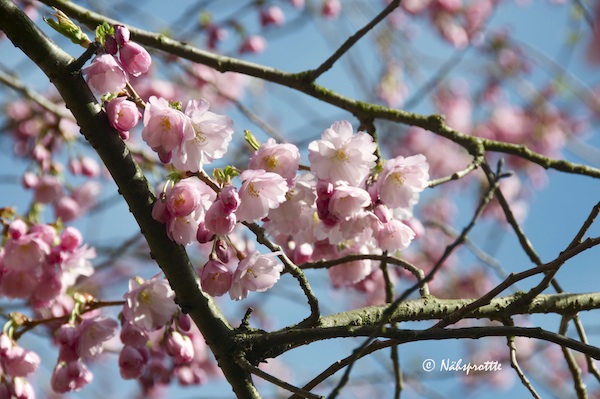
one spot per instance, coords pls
(135, 59)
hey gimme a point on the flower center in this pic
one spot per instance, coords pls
(271, 162)
(166, 123)
(397, 178)
(341, 155)
(145, 297)
(200, 137)
(253, 191)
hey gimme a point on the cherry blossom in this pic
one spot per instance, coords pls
(260, 192)
(401, 181)
(212, 134)
(105, 74)
(342, 154)
(165, 128)
(149, 303)
(278, 158)
(256, 272)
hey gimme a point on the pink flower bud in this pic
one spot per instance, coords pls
(133, 335)
(253, 44)
(222, 251)
(132, 362)
(30, 180)
(203, 235)
(75, 166)
(89, 167)
(219, 219)
(17, 229)
(70, 239)
(216, 278)
(105, 75)
(135, 59)
(122, 114)
(121, 34)
(110, 45)
(272, 16)
(183, 198)
(184, 322)
(180, 347)
(230, 197)
(67, 209)
(331, 9)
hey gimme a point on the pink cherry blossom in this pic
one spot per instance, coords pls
(165, 128)
(212, 134)
(70, 239)
(342, 154)
(21, 389)
(184, 229)
(260, 192)
(278, 158)
(70, 376)
(256, 272)
(123, 115)
(17, 361)
(132, 362)
(216, 278)
(105, 75)
(150, 303)
(48, 189)
(394, 236)
(134, 58)
(401, 181)
(184, 197)
(347, 201)
(93, 332)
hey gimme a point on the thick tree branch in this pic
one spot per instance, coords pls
(133, 186)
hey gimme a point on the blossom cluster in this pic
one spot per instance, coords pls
(106, 73)
(158, 341)
(344, 205)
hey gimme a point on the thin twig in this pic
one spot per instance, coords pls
(515, 364)
(456, 175)
(325, 66)
(578, 383)
(274, 380)
(293, 269)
